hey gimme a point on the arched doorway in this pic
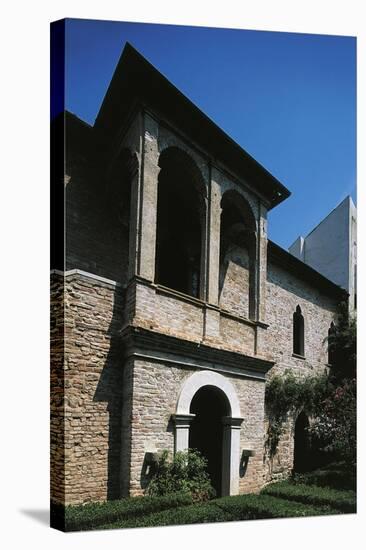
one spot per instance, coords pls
(302, 456)
(211, 398)
(210, 406)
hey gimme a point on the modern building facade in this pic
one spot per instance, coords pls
(170, 306)
(331, 248)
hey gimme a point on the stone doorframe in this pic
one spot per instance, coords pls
(231, 435)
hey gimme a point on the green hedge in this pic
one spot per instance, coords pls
(266, 506)
(90, 516)
(196, 513)
(329, 477)
(243, 507)
(345, 501)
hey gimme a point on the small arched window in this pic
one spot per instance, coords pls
(298, 332)
(331, 350)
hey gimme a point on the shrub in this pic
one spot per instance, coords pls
(342, 343)
(186, 472)
(344, 501)
(335, 426)
(90, 516)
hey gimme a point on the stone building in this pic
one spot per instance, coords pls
(170, 306)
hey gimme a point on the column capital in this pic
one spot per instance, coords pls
(232, 421)
(182, 420)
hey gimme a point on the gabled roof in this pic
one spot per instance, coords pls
(136, 81)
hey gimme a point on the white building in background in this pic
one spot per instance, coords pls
(331, 248)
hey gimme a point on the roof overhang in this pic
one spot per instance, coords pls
(137, 82)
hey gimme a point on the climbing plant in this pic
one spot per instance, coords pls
(287, 394)
(342, 343)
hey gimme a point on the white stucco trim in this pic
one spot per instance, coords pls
(207, 378)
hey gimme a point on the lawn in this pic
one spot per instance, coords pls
(308, 495)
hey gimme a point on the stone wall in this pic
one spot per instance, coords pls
(284, 293)
(156, 389)
(57, 389)
(108, 411)
(113, 411)
(93, 390)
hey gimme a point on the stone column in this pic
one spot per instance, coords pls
(231, 455)
(182, 423)
(213, 245)
(262, 264)
(146, 200)
(212, 314)
(134, 224)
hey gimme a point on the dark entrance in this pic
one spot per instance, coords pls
(302, 454)
(206, 432)
(180, 217)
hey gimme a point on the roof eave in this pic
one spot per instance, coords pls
(135, 78)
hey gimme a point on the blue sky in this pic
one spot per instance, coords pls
(288, 99)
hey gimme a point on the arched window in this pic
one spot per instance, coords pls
(331, 350)
(298, 332)
(180, 222)
(237, 255)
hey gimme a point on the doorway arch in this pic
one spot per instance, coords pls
(195, 409)
(210, 406)
(302, 455)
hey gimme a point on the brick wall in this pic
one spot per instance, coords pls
(96, 242)
(90, 413)
(234, 281)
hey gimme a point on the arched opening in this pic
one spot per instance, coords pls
(331, 343)
(221, 401)
(302, 455)
(209, 405)
(298, 332)
(180, 223)
(237, 256)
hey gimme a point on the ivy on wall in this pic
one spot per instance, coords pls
(288, 395)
